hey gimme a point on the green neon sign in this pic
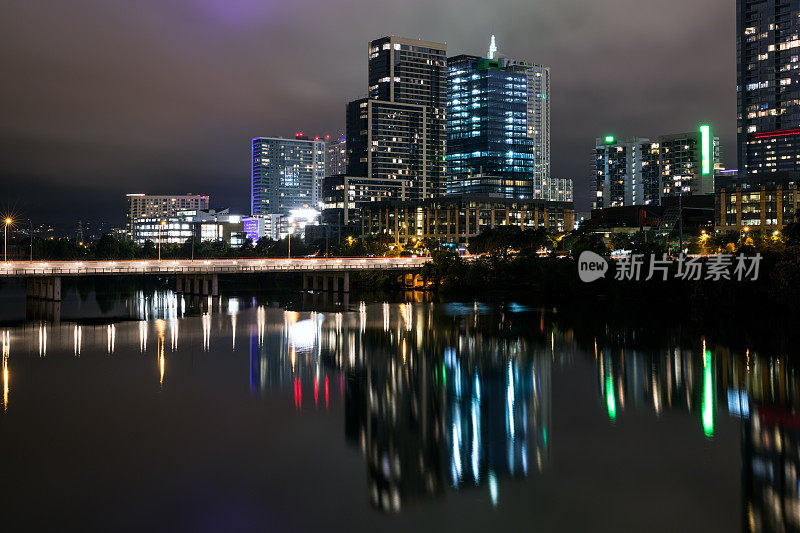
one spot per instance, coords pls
(609, 139)
(705, 132)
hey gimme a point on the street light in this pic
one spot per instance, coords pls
(163, 223)
(5, 240)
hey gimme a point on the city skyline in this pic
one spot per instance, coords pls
(168, 96)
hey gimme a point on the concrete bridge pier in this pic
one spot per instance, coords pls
(335, 282)
(44, 288)
(203, 285)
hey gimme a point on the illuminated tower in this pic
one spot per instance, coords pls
(286, 174)
(398, 132)
(768, 85)
(639, 171)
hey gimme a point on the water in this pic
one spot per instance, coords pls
(240, 414)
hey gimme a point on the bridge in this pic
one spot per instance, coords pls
(200, 276)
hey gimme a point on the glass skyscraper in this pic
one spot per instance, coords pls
(768, 85)
(499, 128)
(287, 175)
(487, 128)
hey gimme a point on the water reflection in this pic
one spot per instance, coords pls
(439, 398)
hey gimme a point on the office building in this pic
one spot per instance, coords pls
(768, 85)
(487, 125)
(202, 225)
(344, 197)
(761, 203)
(286, 174)
(456, 219)
(640, 171)
(398, 132)
(336, 155)
(499, 125)
(161, 206)
(538, 116)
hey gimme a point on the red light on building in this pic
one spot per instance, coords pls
(782, 133)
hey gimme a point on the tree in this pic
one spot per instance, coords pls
(592, 242)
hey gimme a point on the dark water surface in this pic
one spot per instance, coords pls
(242, 414)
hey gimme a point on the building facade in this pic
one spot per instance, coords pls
(161, 206)
(287, 174)
(487, 133)
(398, 132)
(768, 85)
(538, 118)
(499, 121)
(456, 219)
(763, 203)
(344, 197)
(200, 225)
(336, 155)
(640, 171)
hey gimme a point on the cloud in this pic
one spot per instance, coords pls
(104, 97)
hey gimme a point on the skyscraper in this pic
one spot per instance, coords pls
(286, 174)
(538, 118)
(487, 127)
(336, 155)
(768, 85)
(398, 132)
(503, 103)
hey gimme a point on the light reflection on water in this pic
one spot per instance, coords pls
(458, 397)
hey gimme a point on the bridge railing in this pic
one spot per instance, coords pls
(211, 266)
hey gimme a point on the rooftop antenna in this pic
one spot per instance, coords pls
(492, 48)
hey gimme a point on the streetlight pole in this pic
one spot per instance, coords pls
(31, 223)
(289, 238)
(5, 241)
(163, 223)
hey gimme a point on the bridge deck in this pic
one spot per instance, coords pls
(205, 266)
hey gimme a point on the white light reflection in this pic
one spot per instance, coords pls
(206, 331)
(475, 409)
(111, 338)
(42, 340)
(233, 332)
(261, 321)
(77, 340)
(143, 336)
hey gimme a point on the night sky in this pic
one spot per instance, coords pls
(104, 97)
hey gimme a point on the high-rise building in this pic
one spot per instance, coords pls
(538, 117)
(287, 174)
(768, 85)
(640, 171)
(336, 155)
(487, 126)
(398, 132)
(161, 206)
(499, 124)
